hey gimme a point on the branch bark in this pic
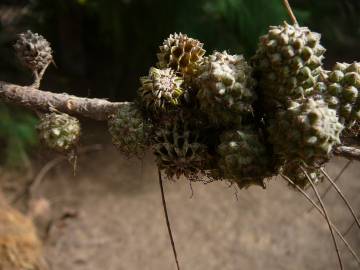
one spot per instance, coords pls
(32, 98)
(349, 152)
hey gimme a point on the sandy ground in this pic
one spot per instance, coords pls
(120, 223)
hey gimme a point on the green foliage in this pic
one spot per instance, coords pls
(17, 132)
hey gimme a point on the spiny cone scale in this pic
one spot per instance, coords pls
(59, 131)
(182, 54)
(179, 149)
(289, 62)
(129, 131)
(33, 50)
(305, 131)
(243, 157)
(226, 88)
(342, 87)
(161, 89)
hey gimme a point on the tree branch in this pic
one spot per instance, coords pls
(29, 97)
(349, 152)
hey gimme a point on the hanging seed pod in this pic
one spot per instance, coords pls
(59, 131)
(34, 51)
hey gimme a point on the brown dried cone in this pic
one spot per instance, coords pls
(343, 92)
(294, 171)
(129, 131)
(160, 90)
(305, 131)
(243, 157)
(34, 51)
(182, 54)
(59, 131)
(179, 149)
(226, 91)
(20, 247)
(288, 62)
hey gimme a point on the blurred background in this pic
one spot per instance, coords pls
(101, 48)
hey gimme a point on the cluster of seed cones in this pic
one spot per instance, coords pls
(222, 117)
(225, 118)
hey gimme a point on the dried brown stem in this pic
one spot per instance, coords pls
(356, 257)
(335, 180)
(326, 217)
(30, 97)
(342, 196)
(290, 11)
(167, 220)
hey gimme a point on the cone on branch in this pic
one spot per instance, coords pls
(182, 54)
(59, 132)
(129, 131)
(226, 88)
(288, 62)
(34, 52)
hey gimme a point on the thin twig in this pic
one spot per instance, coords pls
(342, 196)
(349, 228)
(326, 217)
(167, 220)
(356, 257)
(290, 11)
(335, 180)
(349, 152)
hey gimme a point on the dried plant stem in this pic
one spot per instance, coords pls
(290, 11)
(335, 180)
(167, 220)
(342, 196)
(356, 257)
(326, 217)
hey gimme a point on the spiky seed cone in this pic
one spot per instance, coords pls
(288, 61)
(243, 157)
(161, 89)
(181, 53)
(295, 173)
(129, 131)
(179, 149)
(226, 89)
(59, 131)
(343, 91)
(306, 132)
(33, 50)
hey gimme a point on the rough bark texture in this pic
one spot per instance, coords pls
(97, 109)
(348, 152)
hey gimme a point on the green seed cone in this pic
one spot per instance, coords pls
(243, 157)
(306, 132)
(226, 89)
(59, 131)
(129, 131)
(288, 62)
